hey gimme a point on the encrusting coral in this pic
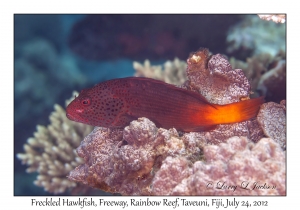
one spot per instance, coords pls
(126, 161)
(214, 78)
(142, 159)
(51, 152)
(238, 167)
(145, 160)
(272, 119)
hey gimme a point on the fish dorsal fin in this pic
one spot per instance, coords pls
(193, 94)
(196, 95)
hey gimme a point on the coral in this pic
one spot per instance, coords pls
(145, 160)
(277, 18)
(214, 78)
(126, 161)
(273, 83)
(253, 36)
(51, 152)
(272, 119)
(172, 72)
(230, 167)
(267, 74)
(248, 128)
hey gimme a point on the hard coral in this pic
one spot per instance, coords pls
(172, 72)
(273, 83)
(145, 160)
(51, 152)
(272, 119)
(215, 79)
(126, 161)
(118, 161)
(249, 128)
(238, 167)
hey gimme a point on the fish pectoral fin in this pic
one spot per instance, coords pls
(202, 128)
(122, 120)
(129, 118)
(132, 117)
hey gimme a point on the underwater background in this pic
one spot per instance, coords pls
(57, 54)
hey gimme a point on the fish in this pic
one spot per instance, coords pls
(117, 102)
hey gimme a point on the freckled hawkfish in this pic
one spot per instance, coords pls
(115, 103)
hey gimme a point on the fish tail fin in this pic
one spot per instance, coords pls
(239, 111)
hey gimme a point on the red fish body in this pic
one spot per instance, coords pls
(117, 102)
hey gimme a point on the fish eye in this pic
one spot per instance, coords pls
(86, 102)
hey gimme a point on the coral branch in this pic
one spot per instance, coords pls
(51, 152)
(172, 72)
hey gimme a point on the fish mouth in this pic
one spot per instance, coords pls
(73, 117)
(76, 118)
(70, 117)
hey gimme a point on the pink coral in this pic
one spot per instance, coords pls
(172, 172)
(145, 160)
(272, 119)
(126, 161)
(118, 161)
(248, 128)
(214, 78)
(232, 167)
